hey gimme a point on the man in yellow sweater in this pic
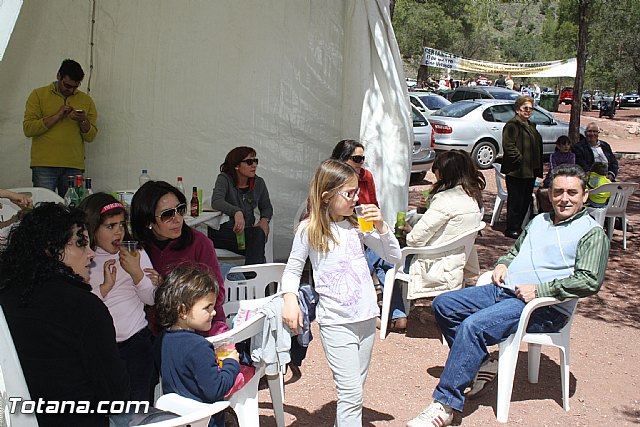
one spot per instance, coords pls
(59, 118)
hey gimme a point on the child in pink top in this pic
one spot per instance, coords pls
(125, 281)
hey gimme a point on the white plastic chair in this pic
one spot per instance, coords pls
(465, 240)
(509, 349)
(501, 197)
(12, 382)
(192, 413)
(237, 291)
(616, 206)
(245, 401)
(39, 194)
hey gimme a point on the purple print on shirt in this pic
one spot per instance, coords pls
(344, 283)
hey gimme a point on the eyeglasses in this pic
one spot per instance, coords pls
(357, 159)
(168, 214)
(249, 161)
(351, 194)
(527, 109)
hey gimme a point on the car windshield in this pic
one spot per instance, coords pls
(458, 109)
(511, 96)
(434, 102)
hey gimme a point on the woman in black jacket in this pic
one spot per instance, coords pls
(63, 334)
(521, 163)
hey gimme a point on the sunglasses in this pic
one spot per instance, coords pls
(349, 194)
(526, 109)
(249, 161)
(357, 159)
(168, 214)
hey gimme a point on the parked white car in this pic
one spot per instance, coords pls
(476, 127)
(423, 143)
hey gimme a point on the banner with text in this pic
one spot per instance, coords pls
(440, 59)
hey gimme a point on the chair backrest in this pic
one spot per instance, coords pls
(39, 194)
(246, 330)
(12, 382)
(620, 194)
(249, 282)
(502, 191)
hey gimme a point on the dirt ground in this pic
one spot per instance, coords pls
(605, 344)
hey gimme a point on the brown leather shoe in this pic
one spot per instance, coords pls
(398, 325)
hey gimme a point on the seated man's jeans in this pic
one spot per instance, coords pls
(379, 267)
(52, 177)
(472, 319)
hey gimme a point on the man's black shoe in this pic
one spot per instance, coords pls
(512, 234)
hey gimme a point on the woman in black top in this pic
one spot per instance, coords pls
(63, 334)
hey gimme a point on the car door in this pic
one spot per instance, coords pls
(548, 129)
(495, 117)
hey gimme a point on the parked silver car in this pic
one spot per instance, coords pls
(476, 127)
(423, 142)
(428, 102)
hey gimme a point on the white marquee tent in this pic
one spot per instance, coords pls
(178, 84)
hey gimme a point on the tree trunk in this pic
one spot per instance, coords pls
(583, 36)
(392, 7)
(423, 74)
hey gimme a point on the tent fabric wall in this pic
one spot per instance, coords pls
(178, 84)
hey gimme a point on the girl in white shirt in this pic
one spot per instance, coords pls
(125, 282)
(347, 306)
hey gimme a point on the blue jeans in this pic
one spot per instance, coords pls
(52, 177)
(379, 267)
(472, 319)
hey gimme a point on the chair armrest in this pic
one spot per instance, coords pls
(533, 305)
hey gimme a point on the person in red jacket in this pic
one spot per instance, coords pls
(352, 153)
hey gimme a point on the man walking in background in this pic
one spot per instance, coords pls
(59, 118)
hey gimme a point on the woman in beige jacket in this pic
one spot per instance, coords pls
(454, 208)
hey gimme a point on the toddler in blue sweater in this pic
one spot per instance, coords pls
(188, 364)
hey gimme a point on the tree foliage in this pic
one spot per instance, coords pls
(524, 31)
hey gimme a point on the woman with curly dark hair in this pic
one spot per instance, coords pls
(63, 333)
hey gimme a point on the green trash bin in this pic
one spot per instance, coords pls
(549, 101)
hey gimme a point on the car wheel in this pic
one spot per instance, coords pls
(417, 176)
(484, 154)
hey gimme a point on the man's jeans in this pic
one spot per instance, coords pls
(472, 319)
(52, 177)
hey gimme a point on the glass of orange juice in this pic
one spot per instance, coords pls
(365, 226)
(223, 350)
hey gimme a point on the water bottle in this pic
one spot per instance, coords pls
(180, 185)
(71, 197)
(144, 177)
(87, 187)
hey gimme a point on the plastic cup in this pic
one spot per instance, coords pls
(130, 246)
(400, 222)
(365, 226)
(240, 241)
(224, 350)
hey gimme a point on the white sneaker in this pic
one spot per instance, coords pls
(436, 415)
